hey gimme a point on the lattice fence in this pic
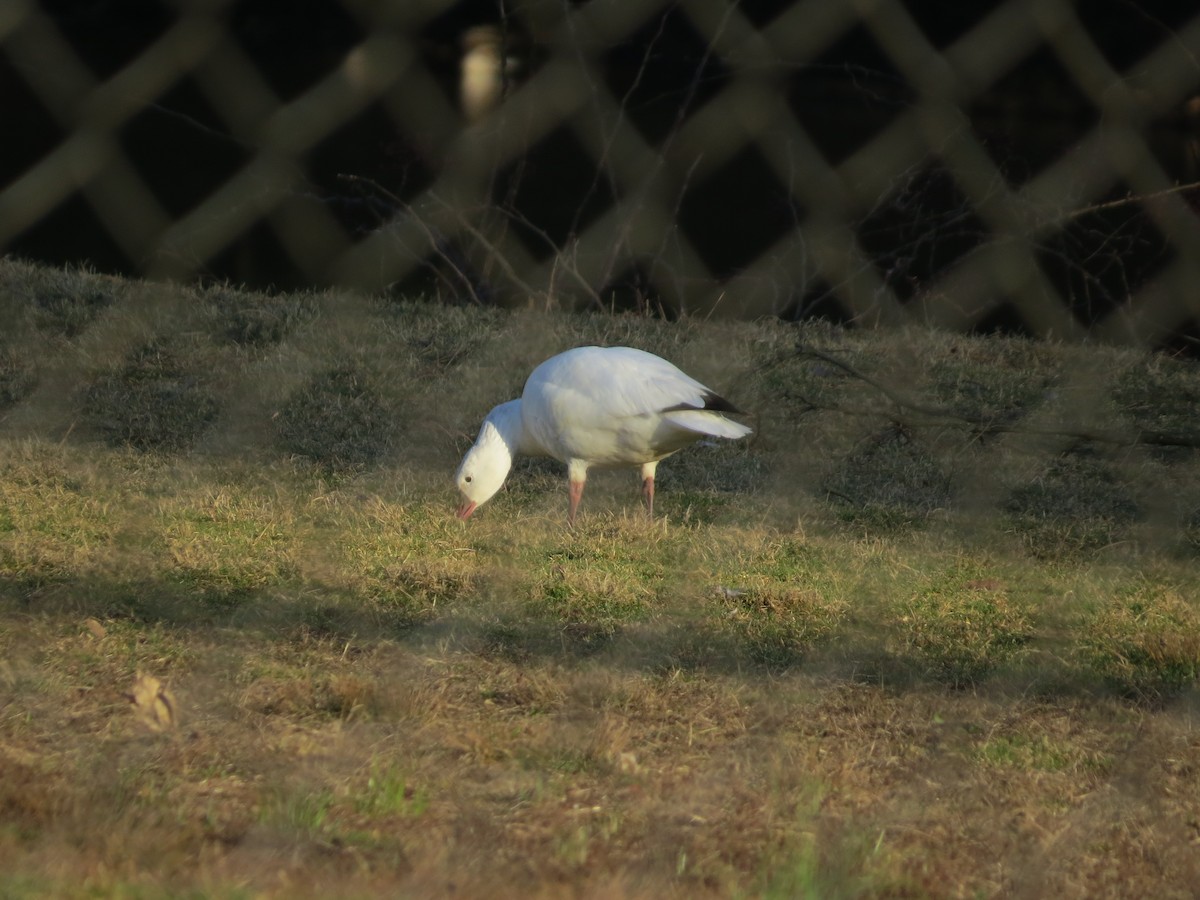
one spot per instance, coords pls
(872, 160)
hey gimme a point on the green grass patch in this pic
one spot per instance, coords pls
(961, 625)
(302, 812)
(53, 526)
(1024, 752)
(601, 578)
(576, 591)
(389, 791)
(1145, 643)
(815, 859)
(805, 383)
(779, 624)
(1035, 750)
(841, 869)
(225, 546)
(407, 560)
(715, 467)
(779, 598)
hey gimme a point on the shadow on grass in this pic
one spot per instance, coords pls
(1113, 658)
(278, 612)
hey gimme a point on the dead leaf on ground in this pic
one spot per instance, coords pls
(153, 703)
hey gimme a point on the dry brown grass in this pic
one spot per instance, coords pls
(404, 771)
(225, 671)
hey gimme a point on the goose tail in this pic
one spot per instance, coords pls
(702, 421)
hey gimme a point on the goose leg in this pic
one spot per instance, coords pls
(575, 494)
(576, 476)
(648, 487)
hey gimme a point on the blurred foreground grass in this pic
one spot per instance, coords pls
(933, 640)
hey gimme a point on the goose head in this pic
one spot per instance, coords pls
(485, 466)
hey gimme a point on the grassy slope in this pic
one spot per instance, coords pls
(917, 644)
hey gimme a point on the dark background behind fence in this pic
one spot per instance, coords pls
(1023, 165)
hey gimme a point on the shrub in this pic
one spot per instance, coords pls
(441, 337)
(991, 382)
(1077, 506)
(67, 301)
(17, 377)
(1161, 395)
(256, 320)
(338, 420)
(1191, 530)
(153, 402)
(889, 482)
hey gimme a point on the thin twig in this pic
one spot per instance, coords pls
(434, 240)
(1129, 199)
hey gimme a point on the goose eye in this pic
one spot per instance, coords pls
(468, 479)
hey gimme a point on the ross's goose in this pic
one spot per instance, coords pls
(594, 406)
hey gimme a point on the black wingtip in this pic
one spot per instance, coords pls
(712, 403)
(717, 403)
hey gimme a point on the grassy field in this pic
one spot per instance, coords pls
(934, 631)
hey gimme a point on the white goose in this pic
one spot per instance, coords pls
(594, 406)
